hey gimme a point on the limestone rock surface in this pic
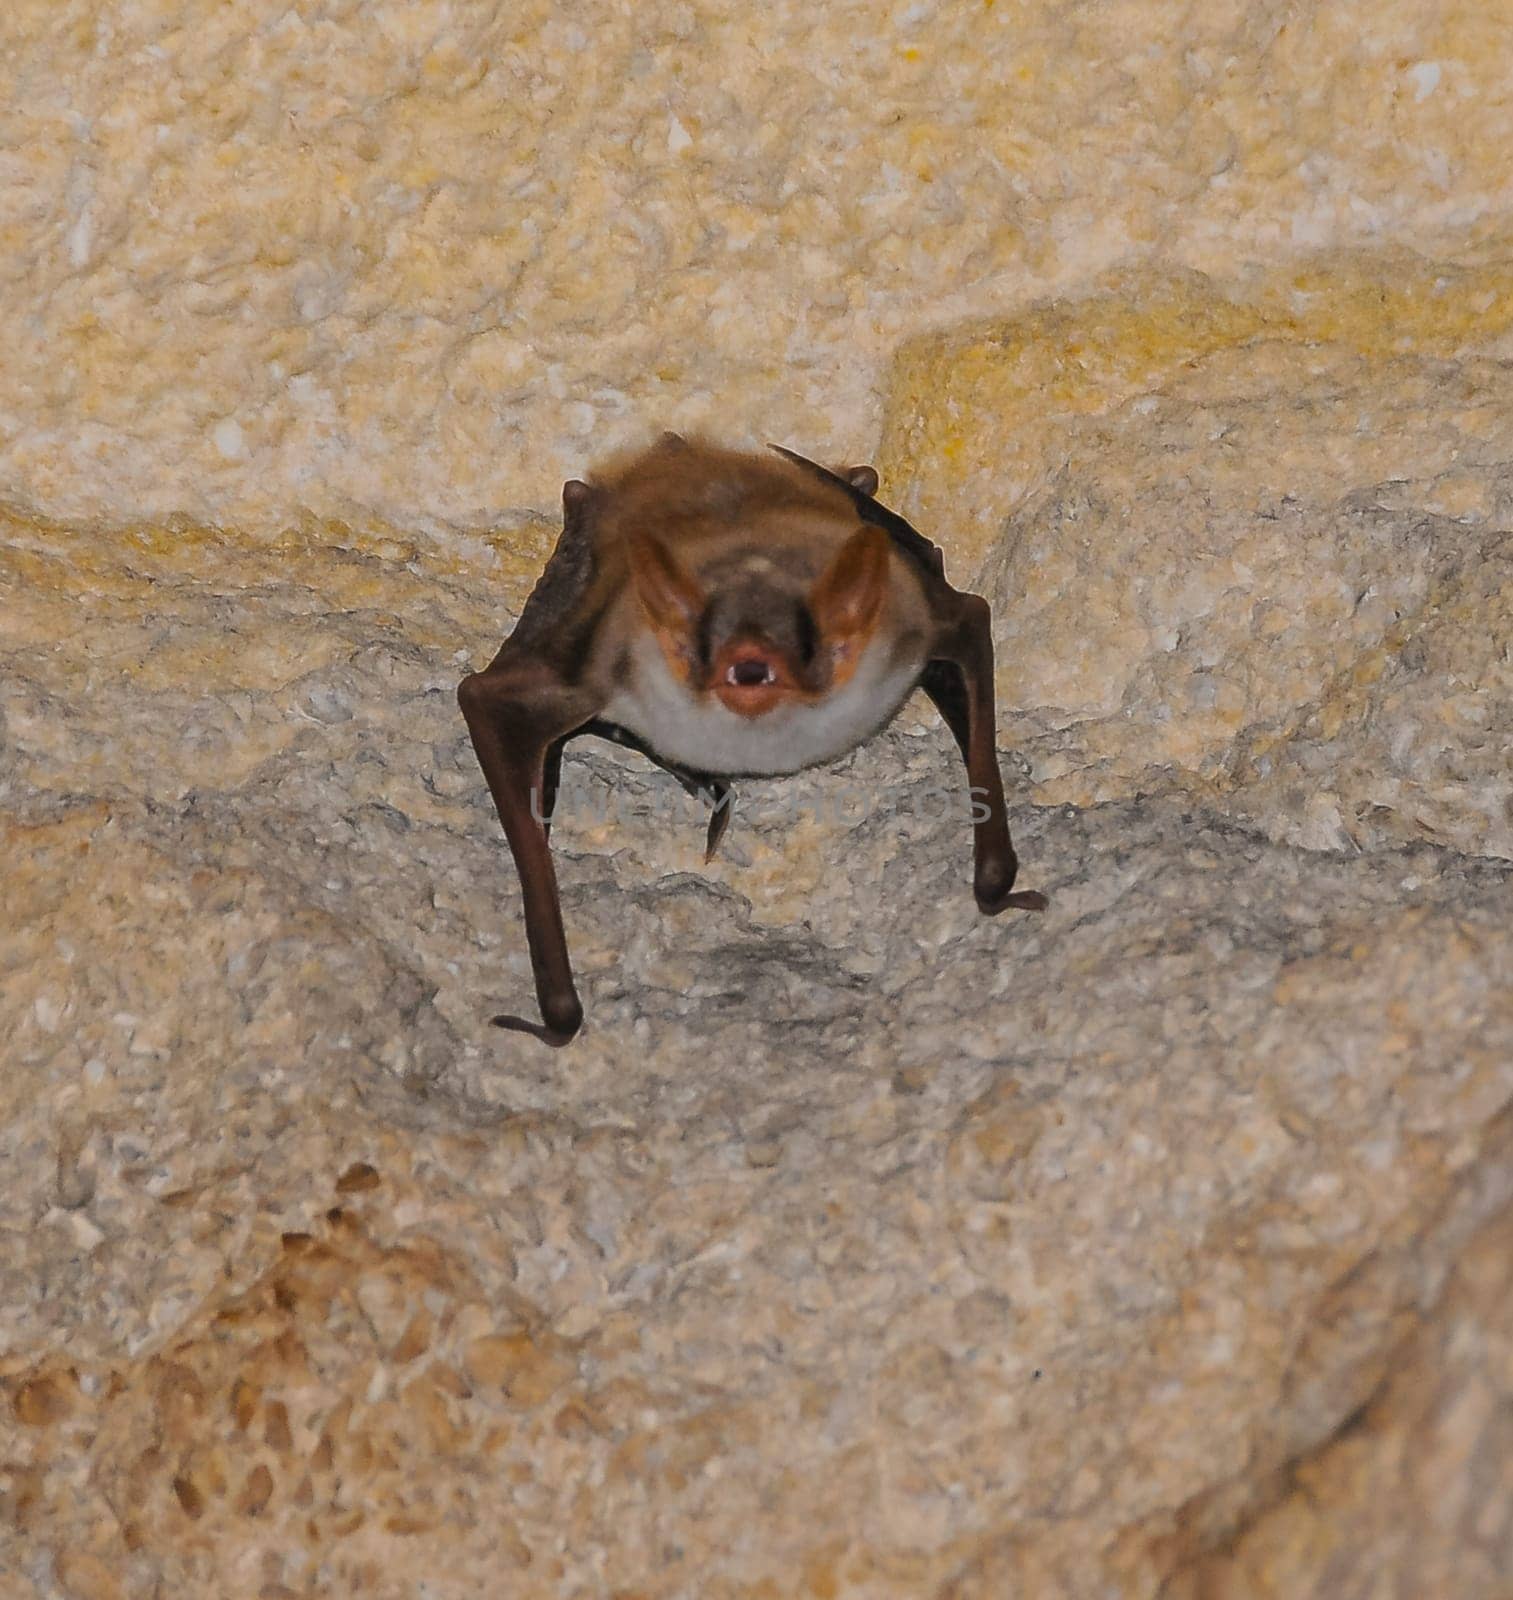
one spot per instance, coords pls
(861, 1243)
(1256, 556)
(1435, 1434)
(412, 259)
(862, 1247)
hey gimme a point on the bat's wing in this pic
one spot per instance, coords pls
(559, 618)
(562, 612)
(943, 682)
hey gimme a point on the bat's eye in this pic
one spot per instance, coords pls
(748, 673)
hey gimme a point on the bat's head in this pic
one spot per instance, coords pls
(752, 633)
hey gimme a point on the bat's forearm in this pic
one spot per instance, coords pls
(513, 739)
(961, 685)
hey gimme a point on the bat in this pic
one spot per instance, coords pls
(727, 615)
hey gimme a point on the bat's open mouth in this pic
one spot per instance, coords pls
(749, 672)
(750, 679)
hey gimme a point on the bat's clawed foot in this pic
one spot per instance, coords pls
(1018, 900)
(995, 891)
(563, 1017)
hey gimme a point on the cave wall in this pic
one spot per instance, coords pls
(861, 1247)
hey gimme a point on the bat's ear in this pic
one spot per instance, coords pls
(863, 478)
(670, 595)
(848, 597)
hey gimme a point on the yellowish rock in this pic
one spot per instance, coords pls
(1250, 553)
(862, 1246)
(416, 259)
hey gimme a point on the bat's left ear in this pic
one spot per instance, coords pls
(863, 478)
(848, 596)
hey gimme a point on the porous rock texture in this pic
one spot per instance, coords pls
(1158, 1245)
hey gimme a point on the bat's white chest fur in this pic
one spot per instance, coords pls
(698, 732)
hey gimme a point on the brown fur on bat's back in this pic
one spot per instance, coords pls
(705, 504)
(713, 510)
(697, 497)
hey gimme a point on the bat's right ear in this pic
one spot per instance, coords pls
(670, 595)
